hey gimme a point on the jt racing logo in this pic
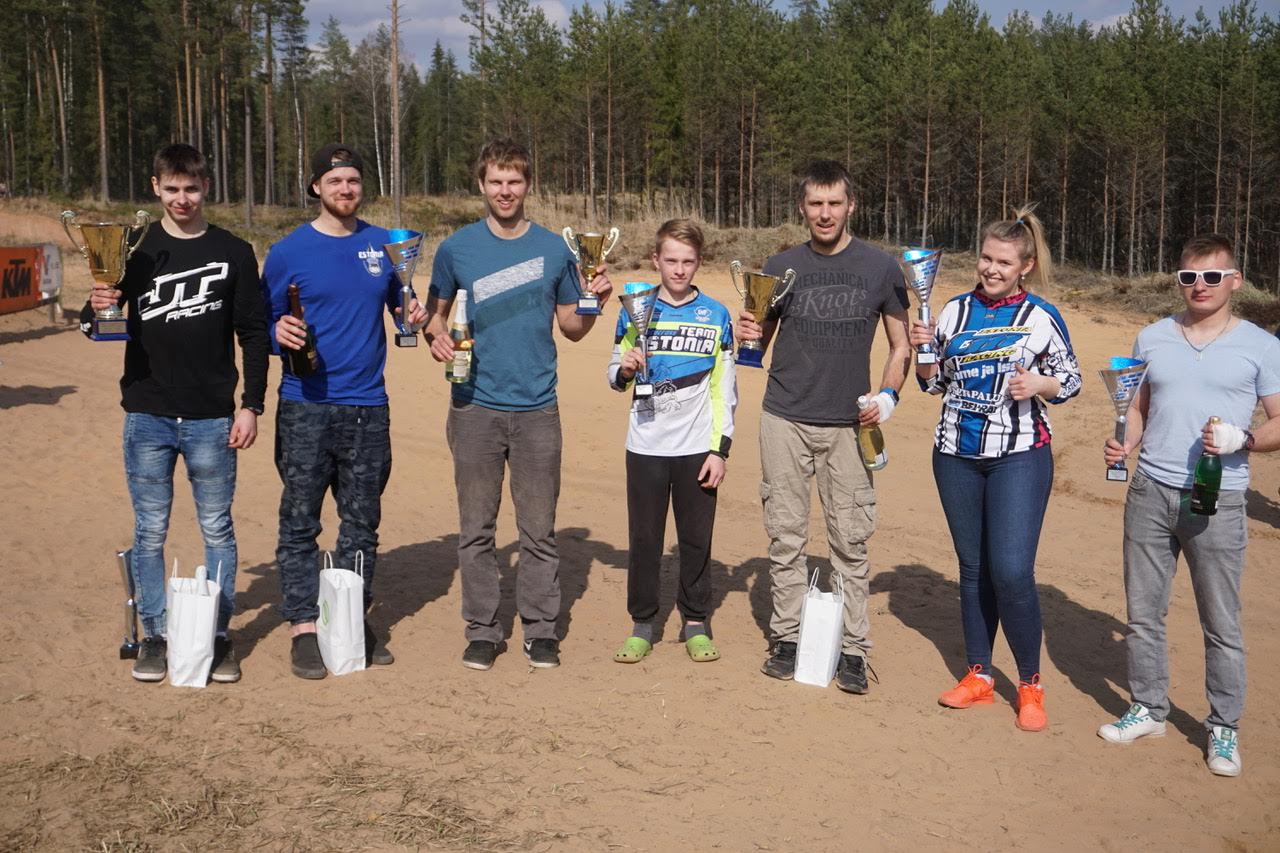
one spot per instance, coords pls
(180, 295)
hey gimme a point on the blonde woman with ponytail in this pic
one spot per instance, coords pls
(1005, 354)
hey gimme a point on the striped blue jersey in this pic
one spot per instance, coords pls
(979, 343)
(689, 351)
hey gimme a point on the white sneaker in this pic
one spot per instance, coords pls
(1224, 752)
(1135, 723)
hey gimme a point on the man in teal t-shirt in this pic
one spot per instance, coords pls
(518, 276)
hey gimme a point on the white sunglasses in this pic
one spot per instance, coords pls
(1212, 278)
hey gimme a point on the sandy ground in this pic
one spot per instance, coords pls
(663, 755)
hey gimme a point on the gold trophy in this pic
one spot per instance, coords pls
(107, 248)
(760, 293)
(589, 250)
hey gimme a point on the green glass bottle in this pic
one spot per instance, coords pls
(1208, 480)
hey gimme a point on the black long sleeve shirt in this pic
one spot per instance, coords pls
(186, 298)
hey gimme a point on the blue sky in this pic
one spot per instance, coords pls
(426, 21)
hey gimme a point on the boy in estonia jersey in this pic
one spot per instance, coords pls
(677, 440)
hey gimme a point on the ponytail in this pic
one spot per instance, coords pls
(1027, 232)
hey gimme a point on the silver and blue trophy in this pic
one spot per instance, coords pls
(922, 268)
(404, 250)
(1122, 380)
(639, 298)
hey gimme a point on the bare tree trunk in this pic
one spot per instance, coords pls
(62, 113)
(1106, 210)
(1217, 168)
(395, 111)
(591, 156)
(268, 114)
(199, 107)
(1004, 178)
(300, 139)
(128, 136)
(742, 156)
(1063, 190)
(719, 220)
(977, 217)
(1164, 190)
(608, 128)
(1133, 214)
(751, 164)
(104, 190)
(190, 126)
(248, 122)
(225, 130)
(928, 158)
(1248, 192)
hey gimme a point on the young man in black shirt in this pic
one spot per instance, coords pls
(188, 288)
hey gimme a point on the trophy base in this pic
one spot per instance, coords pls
(926, 358)
(588, 306)
(115, 329)
(1117, 475)
(750, 357)
(129, 650)
(644, 389)
(403, 340)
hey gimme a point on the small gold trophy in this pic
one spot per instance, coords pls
(759, 292)
(589, 250)
(106, 246)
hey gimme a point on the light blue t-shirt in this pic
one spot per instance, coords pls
(1231, 375)
(513, 288)
(344, 284)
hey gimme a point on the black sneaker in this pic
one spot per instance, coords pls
(306, 659)
(480, 654)
(851, 674)
(782, 663)
(376, 652)
(543, 653)
(153, 660)
(226, 668)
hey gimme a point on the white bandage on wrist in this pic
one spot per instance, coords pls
(885, 402)
(1228, 438)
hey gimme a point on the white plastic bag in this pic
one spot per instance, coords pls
(340, 629)
(191, 625)
(821, 632)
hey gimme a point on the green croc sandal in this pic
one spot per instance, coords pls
(633, 650)
(701, 649)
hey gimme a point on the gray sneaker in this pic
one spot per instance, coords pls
(153, 660)
(226, 668)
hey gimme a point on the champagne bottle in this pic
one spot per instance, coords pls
(1208, 480)
(871, 441)
(459, 370)
(302, 362)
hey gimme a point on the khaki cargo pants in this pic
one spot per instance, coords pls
(792, 454)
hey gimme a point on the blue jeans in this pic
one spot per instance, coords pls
(994, 508)
(152, 445)
(321, 446)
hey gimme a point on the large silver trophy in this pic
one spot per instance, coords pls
(922, 267)
(404, 250)
(589, 249)
(638, 300)
(107, 248)
(760, 293)
(129, 647)
(1122, 379)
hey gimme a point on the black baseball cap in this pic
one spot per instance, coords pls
(324, 160)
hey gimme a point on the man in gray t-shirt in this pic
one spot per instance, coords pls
(809, 427)
(1202, 363)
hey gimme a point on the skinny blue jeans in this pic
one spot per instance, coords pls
(995, 508)
(152, 445)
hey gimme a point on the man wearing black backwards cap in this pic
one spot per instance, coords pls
(333, 426)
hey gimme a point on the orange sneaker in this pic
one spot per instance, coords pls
(972, 690)
(1031, 716)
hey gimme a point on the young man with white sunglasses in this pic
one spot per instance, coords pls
(1204, 362)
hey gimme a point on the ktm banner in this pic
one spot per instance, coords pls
(32, 276)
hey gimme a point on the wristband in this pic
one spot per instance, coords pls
(892, 393)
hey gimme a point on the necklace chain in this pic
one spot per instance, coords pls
(1200, 350)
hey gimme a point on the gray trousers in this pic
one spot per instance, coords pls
(1158, 526)
(484, 443)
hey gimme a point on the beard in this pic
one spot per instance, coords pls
(340, 208)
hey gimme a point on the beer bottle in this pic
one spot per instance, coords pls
(871, 441)
(302, 362)
(459, 370)
(1208, 480)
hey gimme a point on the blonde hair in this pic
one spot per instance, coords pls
(1026, 231)
(684, 230)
